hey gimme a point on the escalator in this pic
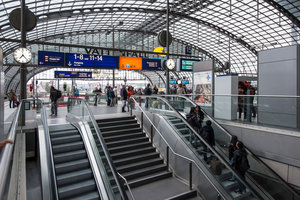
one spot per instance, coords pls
(259, 176)
(74, 175)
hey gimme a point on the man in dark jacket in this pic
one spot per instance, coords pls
(207, 133)
(241, 165)
(53, 98)
(147, 91)
(123, 94)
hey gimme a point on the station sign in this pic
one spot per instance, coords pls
(130, 63)
(185, 82)
(72, 74)
(172, 82)
(47, 58)
(91, 61)
(187, 64)
(151, 64)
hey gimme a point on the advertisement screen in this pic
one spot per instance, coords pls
(47, 58)
(203, 87)
(72, 74)
(187, 64)
(91, 61)
(130, 63)
(151, 64)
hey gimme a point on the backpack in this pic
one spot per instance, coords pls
(58, 94)
(147, 91)
(244, 163)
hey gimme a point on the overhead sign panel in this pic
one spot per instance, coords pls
(130, 63)
(187, 64)
(72, 74)
(47, 58)
(151, 64)
(91, 61)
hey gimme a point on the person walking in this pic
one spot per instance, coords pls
(123, 94)
(111, 96)
(12, 97)
(147, 91)
(155, 90)
(180, 90)
(53, 97)
(130, 92)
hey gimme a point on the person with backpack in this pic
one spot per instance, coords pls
(240, 164)
(54, 96)
(207, 133)
(124, 96)
(147, 91)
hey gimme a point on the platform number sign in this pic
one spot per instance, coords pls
(188, 50)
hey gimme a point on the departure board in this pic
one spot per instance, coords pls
(72, 74)
(47, 58)
(91, 61)
(151, 64)
(187, 64)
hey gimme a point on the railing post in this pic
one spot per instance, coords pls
(151, 134)
(142, 120)
(168, 157)
(191, 175)
(131, 102)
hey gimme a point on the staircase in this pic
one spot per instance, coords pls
(138, 161)
(224, 178)
(74, 176)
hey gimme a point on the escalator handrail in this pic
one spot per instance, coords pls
(105, 149)
(217, 154)
(6, 154)
(49, 153)
(170, 147)
(248, 150)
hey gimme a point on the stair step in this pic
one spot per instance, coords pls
(113, 123)
(140, 165)
(124, 137)
(88, 196)
(74, 177)
(69, 156)
(115, 119)
(134, 152)
(149, 179)
(61, 127)
(70, 191)
(127, 142)
(71, 166)
(129, 147)
(63, 133)
(119, 127)
(66, 139)
(120, 132)
(184, 195)
(144, 172)
(62, 148)
(135, 159)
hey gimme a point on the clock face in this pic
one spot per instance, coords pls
(170, 64)
(22, 55)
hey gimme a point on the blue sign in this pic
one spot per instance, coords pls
(47, 58)
(151, 64)
(91, 61)
(185, 82)
(172, 82)
(72, 74)
(188, 50)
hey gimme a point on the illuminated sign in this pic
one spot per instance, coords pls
(151, 64)
(47, 58)
(187, 64)
(91, 61)
(130, 63)
(184, 82)
(172, 82)
(72, 74)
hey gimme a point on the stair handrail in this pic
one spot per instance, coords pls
(126, 182)
(46, 149)
(173, 151)
(105, 149)
(247, 149)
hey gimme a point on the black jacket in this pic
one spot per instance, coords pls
(53, 95)
(237, 157)
(211, 135)
(123, 94)
(231, 150)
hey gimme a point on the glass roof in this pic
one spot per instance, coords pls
(228, 30)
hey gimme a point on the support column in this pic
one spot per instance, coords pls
(113, 45)
(168, 48)
(2, 136)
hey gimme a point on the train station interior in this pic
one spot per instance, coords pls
(150, 99)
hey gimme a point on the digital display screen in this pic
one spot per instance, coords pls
(47, 58)
(72, 74)
(187, 64)
(151, 64)
(185, 82)
(130, 63)
(91, 61)
(172, 82)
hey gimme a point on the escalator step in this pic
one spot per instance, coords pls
(73, 177)
(62, 148)
(88, 196)
(69, 156)
(72, 166)
(69, 191)
(66, 139)
(63, 133)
